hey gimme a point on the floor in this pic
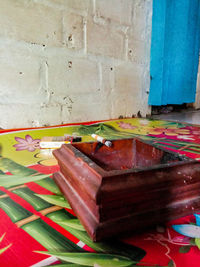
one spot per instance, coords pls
(33, 212)
(190, 116)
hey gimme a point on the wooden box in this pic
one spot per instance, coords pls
(127, 187)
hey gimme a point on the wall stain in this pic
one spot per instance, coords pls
(70, 38)
(121, 117)
(70, 64)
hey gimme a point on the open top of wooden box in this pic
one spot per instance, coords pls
(112, 189)
(128, 154)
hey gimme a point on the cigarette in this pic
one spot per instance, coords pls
(102, 140)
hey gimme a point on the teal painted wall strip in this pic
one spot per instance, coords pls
(174, 51)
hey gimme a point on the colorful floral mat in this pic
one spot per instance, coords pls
(37, 226)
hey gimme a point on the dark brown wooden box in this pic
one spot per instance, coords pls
(127, 187)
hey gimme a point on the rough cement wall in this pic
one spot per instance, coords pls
(73, 60)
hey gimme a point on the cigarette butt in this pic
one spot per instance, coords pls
(102, 140)
(98, 138)
(108, 143)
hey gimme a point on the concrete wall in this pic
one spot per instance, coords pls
(73, 60)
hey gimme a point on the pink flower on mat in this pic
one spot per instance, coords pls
(125, 125)
(28, 143)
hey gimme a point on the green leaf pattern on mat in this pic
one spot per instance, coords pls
(73, 223)
(93, 259)
(104, 130)
(66, 265)
(184, 249)
(13, 180)
(55, 200)
(171, 264)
